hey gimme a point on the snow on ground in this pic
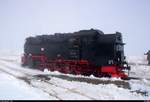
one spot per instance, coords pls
(101, 92)
(12, 88)
(137, 60)
(139, 67)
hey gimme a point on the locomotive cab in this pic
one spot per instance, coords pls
(110, 54)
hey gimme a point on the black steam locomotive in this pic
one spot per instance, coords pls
(84, 52)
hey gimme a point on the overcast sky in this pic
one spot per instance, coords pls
(22, 18)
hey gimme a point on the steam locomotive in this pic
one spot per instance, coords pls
(86, 52)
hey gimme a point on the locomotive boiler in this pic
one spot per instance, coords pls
(84, 52)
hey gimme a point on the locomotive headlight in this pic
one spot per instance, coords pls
(124, 65)
(42, 49)
(30, 54)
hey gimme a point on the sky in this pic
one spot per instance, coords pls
(22, 18)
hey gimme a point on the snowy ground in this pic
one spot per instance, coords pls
(20, 83)
(139, 66)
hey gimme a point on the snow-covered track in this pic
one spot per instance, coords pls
(51, 83)
(119, 83)
(31, 79)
